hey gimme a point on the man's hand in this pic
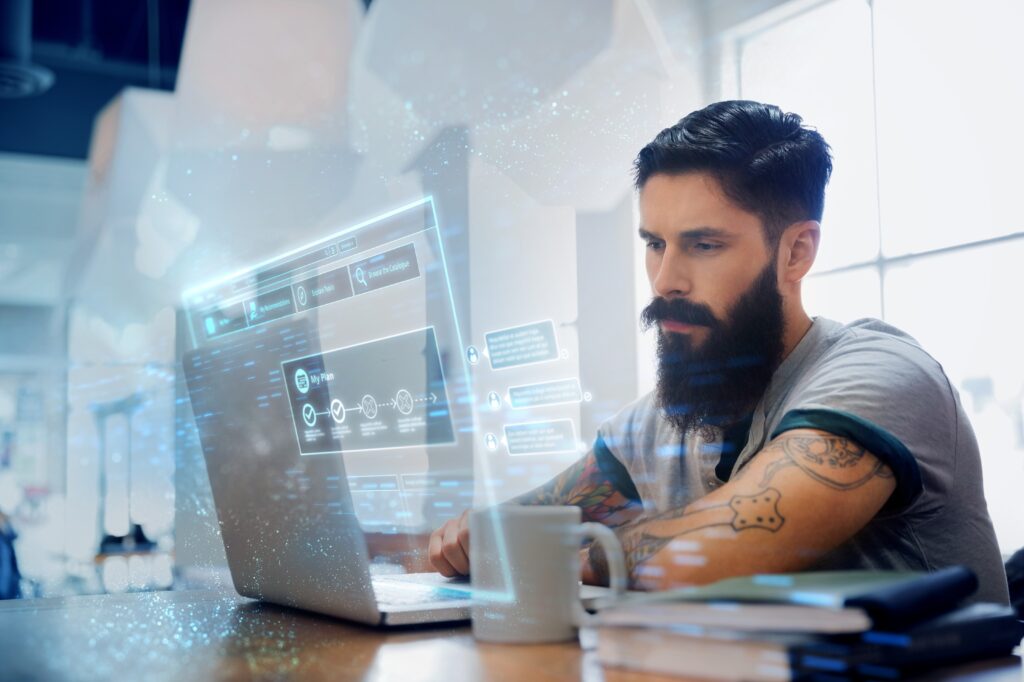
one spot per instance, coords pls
(583, 484)
(449, 547)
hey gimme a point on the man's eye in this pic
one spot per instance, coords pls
(655, 245)
(706, 247)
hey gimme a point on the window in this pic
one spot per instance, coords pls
(818, 64)
(950, 96)
(920, 102)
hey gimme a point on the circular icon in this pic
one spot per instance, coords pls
(403, 401)
(587, 396)
(491, 441)
(369, 406)
(301, 380)
(494, 400)
(361, 277)
(309, 414)
(337, 411)
(473, 355)
(300, 293)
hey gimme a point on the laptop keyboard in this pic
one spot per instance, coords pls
(411, 590)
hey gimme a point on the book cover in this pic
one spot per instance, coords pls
(972, 633)
(890, 599)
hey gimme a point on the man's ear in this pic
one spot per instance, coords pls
(797, 250)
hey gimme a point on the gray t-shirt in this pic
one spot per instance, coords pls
(867, 381)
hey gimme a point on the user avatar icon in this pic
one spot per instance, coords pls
(491, 441)
(473, 355)
(301, 380)
(493, 400)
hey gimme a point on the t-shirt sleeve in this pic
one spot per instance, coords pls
(624, 444)
(894, 400)
(614, 470)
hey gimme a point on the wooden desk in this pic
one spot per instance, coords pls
(220, 636)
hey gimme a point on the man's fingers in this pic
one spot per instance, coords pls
(436, 556)
(449, 547)
(463, 536)
(462, 532)
(452, 549)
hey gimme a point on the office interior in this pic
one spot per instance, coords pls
(153, 148)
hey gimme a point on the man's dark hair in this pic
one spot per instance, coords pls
(765, 160)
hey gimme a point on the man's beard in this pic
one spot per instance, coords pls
(720, 382)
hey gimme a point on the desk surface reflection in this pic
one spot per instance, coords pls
(219, 635)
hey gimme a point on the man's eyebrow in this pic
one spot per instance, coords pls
(704, 233)
(695, 233)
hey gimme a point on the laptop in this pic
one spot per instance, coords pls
(332, 397)
(289, 526)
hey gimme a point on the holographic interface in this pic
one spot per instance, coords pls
(349, 346)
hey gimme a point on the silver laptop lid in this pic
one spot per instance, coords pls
(331, 395)
(290, 533)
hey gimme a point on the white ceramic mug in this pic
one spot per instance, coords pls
(525, 571)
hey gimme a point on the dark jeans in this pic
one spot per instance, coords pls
(10, 578)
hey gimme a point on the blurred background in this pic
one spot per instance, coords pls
(149, 145)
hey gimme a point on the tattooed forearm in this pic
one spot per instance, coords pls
(637, 547)
(821, 465)
(584, 485)
(556, 490)
(642, 540)
(830, 460)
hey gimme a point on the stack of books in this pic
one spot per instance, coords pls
(809, 626)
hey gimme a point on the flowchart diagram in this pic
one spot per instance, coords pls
(381, 394)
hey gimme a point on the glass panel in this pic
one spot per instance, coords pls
(950, 95)
(959, 307)
(844, 296)
(819, 66)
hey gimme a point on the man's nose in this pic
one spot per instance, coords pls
(671, 279)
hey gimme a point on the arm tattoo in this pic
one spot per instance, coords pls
(641, 541)
(554, 491)
(838, 463)
(584, 485)
(826, 459)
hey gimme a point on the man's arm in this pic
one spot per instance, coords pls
(584, 485)
(806, 493)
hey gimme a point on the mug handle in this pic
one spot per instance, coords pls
(617, 577)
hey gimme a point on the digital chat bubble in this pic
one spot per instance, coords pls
(541, 438)
(524, 345)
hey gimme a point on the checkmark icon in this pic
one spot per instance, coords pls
(309, 414)
(337, 410)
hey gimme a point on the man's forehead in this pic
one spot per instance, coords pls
(692, 203)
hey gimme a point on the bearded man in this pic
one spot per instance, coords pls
(774, 442)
